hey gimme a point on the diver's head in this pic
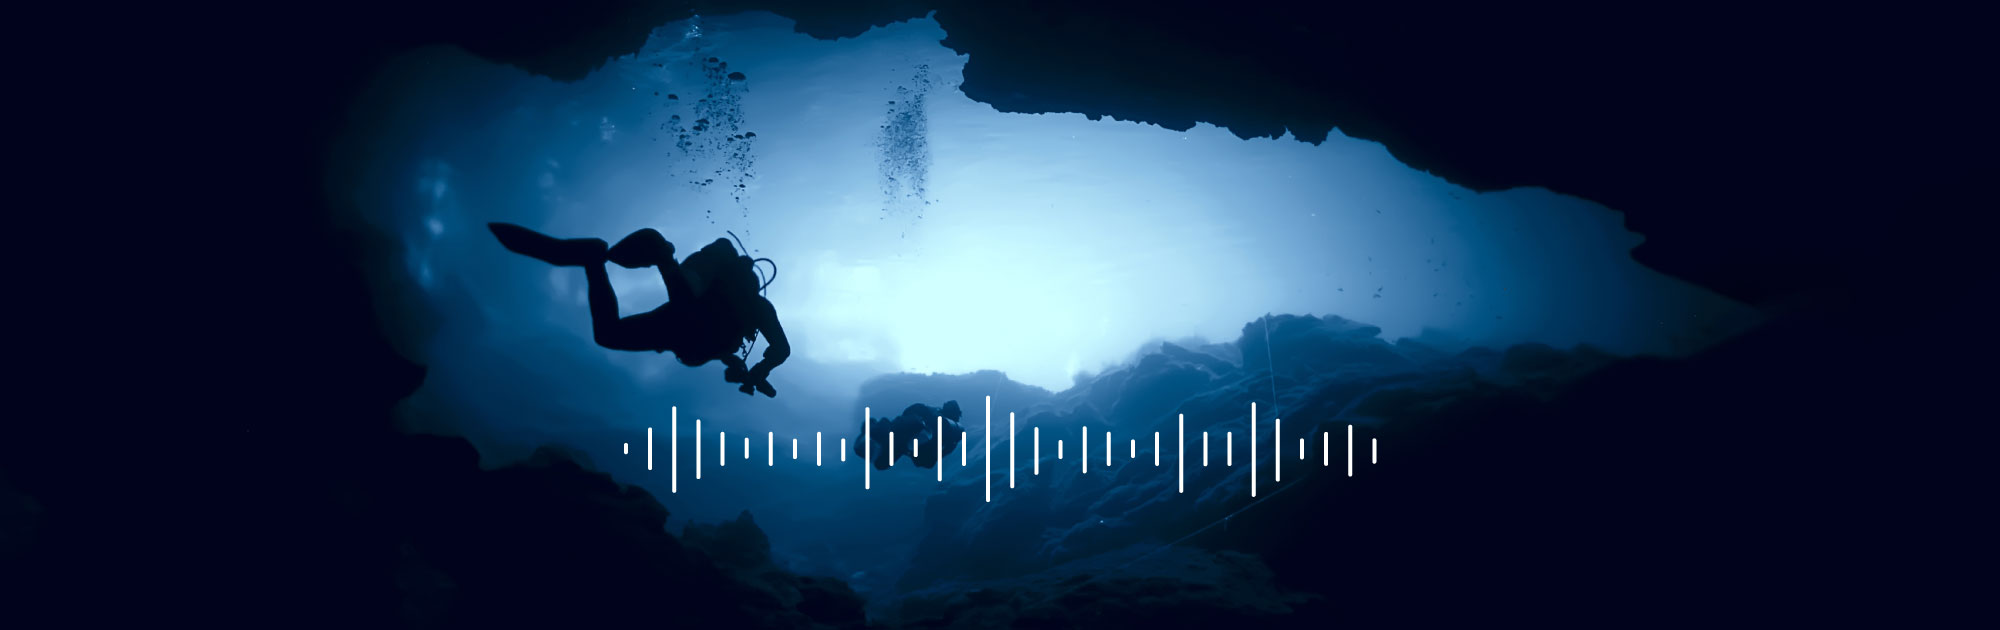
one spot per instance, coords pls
(951, 411)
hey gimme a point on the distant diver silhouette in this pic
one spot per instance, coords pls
(714, 310)
(919, 422)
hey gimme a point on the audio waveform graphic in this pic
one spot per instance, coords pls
(1083, 456)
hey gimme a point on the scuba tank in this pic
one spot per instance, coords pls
(722, 277)
(710, 264)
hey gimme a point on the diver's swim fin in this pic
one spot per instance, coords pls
(644, 248)
(566, 252)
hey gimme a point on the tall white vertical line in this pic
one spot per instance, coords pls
(939, 440)
(867, 447)
(1180, 455)
(1156, 448)
(770, 448)
(1229, 448)
(1204, 448)
(1277, 451)
(843, 450)
(674, 452)
(722, 448)
(1302, 449)
(989, 450)
(892, 448)
(649, 448)
(1084, 453)
(1010, 449)
(795, 448)
(1325, 449)
(1038, 450)
(1350, 450)
(819, 449)
(964, 448)
(1107, 449)
(746, 449)
(697, 448)
(1371, 450)
(1253, 449)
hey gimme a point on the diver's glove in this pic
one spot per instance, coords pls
(754, 381)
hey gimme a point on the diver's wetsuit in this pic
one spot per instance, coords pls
(918, 422)
(696, 330)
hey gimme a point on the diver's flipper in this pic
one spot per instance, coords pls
(644, 248)
(954, 434)
(570, 252)
(876, 451)
(882, 461)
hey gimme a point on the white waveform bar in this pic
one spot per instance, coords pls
(868, 448)
(965, 442)
(1083, 435)
(989, 450)
(674, 450)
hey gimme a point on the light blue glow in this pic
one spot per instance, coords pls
(1050, 244)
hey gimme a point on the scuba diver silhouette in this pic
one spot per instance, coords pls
(714, 303)
(919, 422)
